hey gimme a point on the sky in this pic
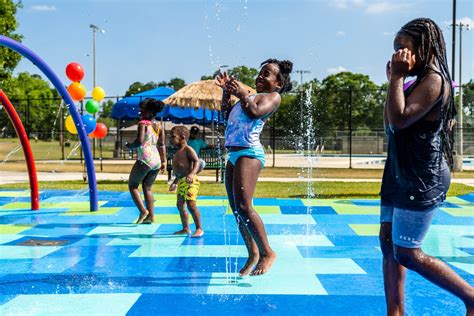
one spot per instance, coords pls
(156, 40)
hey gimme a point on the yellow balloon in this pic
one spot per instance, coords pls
(70, 126)
(98, 93)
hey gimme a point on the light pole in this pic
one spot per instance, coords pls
(95, 29)
(301, 72)
(460, 107)
(453, 41)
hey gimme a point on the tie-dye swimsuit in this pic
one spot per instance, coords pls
(244, 131)
(147, 152)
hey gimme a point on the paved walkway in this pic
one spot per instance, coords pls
(18, 177)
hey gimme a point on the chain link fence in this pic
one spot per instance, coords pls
(343, 129)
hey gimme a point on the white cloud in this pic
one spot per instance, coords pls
(344, 4)
(372, 7)
(336, 70)
(465, 20)
(383, 7)
(43, 7)
(388, 33)
(341, 33)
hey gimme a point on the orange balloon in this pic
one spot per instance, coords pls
(77, 91)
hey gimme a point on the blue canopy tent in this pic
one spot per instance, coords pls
(188, 115)
(127, 108)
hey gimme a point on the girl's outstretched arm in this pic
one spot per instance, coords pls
(221, 80)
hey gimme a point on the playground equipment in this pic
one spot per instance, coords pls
(48, 72)
(25, 143)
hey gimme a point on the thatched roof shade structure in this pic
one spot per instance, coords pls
(200, 94)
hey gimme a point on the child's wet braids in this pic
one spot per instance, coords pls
(285, 67)
(429, 40)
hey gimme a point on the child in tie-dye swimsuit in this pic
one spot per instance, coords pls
(246, 156)
(150, 158)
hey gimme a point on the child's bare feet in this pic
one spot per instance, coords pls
(198, 233)
(142, 216)
(248, 266)
(183, 232)
(148, 220)
(264, 264)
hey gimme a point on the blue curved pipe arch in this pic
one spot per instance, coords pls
(41, 64)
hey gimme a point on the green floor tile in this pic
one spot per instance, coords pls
(13, 229)
(366, 229)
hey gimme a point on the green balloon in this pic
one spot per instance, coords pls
(92, 106)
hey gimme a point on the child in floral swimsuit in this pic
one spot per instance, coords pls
(150, 158)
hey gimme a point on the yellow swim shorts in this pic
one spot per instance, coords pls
(187, 190)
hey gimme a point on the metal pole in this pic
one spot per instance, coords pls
(93, 79)
(28, 118)
(61, 129)
(95, 29)
(82, 111)
(350, 128)
(301, 72)
(273, 137)
(100, 147)
(460, 110)
(93, 56)
(118, 149)
(204, 125)
(453, 42)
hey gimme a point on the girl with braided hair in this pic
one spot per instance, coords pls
(419, 157)
(246, 155)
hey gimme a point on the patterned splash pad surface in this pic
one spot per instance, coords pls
(66, 260)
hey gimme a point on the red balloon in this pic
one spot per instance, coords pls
(75, 72)
(100, 131)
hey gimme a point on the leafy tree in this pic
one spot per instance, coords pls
(209, 77)
(35, 101)
(8, 24)
(244, 74)
(138, 87)
(106, 108)
(344, 95)
(329, 106)
(468, 104)
(176, 83)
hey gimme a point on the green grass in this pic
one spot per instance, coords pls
(277, 172)
(264, 189)
(49, 150)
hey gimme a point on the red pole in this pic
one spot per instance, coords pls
(25, 143)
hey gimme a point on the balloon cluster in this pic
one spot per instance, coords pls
(75, 73)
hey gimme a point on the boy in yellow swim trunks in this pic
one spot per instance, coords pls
(186, 165)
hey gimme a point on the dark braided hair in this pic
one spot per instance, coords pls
(152, 105)
(285, 67)
(429, 41)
